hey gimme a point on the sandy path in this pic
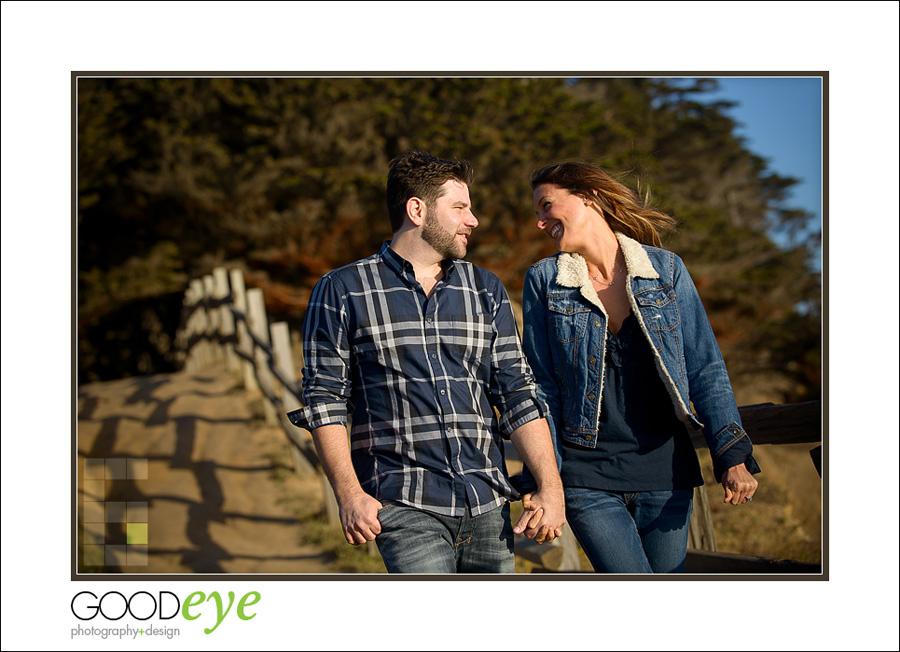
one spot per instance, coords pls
(174, 477)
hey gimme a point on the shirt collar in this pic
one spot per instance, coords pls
(403, 267)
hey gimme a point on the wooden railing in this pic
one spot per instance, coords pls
(768, 423)
(798, 423)
(225, 324)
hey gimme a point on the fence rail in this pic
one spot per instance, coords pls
(225, 323)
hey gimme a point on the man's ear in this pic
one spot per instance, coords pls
(416, 210)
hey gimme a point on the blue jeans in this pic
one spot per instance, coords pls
(640, 532)
(415, 541)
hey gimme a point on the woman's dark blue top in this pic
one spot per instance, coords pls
(641, 444)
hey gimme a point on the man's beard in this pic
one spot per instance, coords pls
(442, 241)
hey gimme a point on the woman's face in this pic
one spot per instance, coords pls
(564, 217)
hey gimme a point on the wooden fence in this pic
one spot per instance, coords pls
(225, 324)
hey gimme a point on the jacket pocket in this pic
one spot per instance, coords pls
(568, 318)
(659, 308)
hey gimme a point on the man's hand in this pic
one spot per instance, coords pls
(359, 518)
(739, 484)
(359, 510)
(544, 516)
(545, 509)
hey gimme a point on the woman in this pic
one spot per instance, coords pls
(621, 347)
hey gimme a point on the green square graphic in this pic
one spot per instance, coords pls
(136, 533)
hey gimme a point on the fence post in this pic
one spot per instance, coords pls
(187, 331)
(201, 325)
(245, 343)
(259, 326)
(284, 363)
(226, 317)
(701, 535)
(212, 319)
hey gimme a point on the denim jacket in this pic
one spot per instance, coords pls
(565, 342)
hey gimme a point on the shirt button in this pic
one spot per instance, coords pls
(443, 392)
(433, 356)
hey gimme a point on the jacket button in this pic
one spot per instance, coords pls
(593, 360)
(736, 431)
(591, 396)
(588, 437)
(568, 308)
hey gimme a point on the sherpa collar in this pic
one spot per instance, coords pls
(572, 272)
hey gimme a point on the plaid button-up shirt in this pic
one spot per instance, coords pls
(422, 377)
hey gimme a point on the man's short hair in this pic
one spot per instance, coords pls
(419, 174)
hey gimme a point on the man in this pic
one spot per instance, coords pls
(423, 347)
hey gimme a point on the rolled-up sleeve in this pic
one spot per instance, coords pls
(326, 352)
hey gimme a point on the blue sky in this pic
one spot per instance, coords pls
(781, 120)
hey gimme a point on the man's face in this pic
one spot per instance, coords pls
(450, 221)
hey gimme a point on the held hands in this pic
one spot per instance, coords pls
(544, 516)
(359, 518)
(739, 484)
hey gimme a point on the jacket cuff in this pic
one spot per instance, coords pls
(733, 447)
(524, 482)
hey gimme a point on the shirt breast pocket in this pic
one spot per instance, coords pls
(568, 318)
(472, 336)
(659, 308)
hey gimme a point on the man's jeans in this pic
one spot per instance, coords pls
(640, 532)
(416, 541)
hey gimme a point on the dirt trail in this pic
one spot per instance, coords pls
(198, 490)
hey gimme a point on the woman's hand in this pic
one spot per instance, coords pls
(739, 484)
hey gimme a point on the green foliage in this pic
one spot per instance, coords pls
(285, 178)
(156, 273)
